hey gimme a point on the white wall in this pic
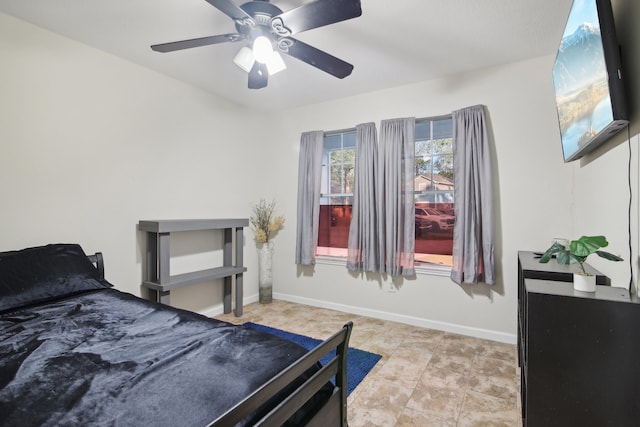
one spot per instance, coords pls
(533, 201)
(91, 144)
(601, 194)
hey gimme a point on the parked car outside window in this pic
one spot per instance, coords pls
(439, 221)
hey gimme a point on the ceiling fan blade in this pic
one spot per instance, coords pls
(315, 14)
(203, 41)
(230, 9)
(258, 76)
(312, 56)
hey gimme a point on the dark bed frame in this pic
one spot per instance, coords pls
(332, 413)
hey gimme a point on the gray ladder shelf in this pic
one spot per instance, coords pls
(160, 282)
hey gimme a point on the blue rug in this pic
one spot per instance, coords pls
(359, 362)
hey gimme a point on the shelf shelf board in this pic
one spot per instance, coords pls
(180, 280)
(171, 225)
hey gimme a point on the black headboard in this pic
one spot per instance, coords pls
(98, 261)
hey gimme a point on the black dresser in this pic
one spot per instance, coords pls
(578, 351)
(530, 267)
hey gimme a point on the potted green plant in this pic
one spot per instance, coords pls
(577, 253)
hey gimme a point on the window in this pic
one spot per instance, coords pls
(433, 190)
(336, 192)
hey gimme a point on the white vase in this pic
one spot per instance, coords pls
(265, 273)
(584, 283)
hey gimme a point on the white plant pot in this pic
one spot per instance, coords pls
(265, 273)
(584, 283)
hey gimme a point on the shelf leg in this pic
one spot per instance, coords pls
(239, 263)
(164, 251)
(164, 297)
(239, 296)
(227, 260)
(226, 301)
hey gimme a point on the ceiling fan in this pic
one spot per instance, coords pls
(264, 25)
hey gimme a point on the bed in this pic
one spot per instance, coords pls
(76, 351)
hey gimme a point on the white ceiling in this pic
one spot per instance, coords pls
(393, 43)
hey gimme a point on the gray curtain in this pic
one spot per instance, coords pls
(362, 254)
(308, 216)
(473, 243)
(396, 207)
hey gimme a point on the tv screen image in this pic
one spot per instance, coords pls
(587, 79)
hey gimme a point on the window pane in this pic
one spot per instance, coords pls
(423, 129)
(424, 147)
(442, 128)
(442, 146)
(349, 178)
(337, 193)
(349, 140)
(424, 166)
(336, 179)
(335, 218)
(335, 157)
(443, 167)
(434, 189)
(349, 157)
(332, 142)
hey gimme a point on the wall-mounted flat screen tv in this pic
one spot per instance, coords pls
(587, 79)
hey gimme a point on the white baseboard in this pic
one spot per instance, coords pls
(394, 317)
(400, 318)
(217, 310)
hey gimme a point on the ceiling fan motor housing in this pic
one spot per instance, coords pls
(261, 12)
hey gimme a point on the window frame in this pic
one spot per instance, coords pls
(421, 268)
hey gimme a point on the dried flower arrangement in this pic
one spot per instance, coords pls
(264, 222)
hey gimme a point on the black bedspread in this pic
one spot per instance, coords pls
(108, 358)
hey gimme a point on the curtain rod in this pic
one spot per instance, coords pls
(444, 116)
(336, 132)
(420, 119)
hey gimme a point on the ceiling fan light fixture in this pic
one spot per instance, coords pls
(275, 64)
(262, 49)
(244, 59)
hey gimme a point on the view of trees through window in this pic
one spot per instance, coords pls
(433, 191)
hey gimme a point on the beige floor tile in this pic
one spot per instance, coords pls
(379, 404)
(491, 367)
(443, 402)
(425, 378)
(371, 417)
(498, 350)
(404, 367)
(504, 388)
(414, 418)
(459, 345)
(383, 344)
(451, 362)
(424, 343)
(481, 410)
(444, 378)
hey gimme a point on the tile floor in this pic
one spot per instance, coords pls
(425, 377)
